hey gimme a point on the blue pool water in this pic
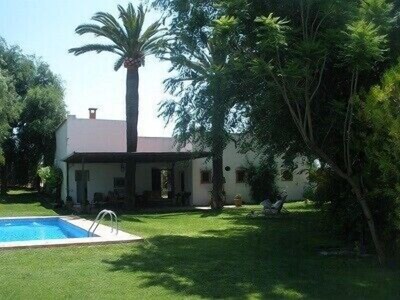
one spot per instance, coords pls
(12, 230)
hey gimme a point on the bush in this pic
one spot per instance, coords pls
(262, 180)
(380, 114)
(51, 178)
(343, 214)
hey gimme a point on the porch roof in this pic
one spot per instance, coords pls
(141, 157)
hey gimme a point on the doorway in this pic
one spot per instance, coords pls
(81, 186)
(161, 181)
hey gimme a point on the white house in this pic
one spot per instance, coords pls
(97, 149)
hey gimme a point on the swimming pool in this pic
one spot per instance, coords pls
(38, 229)
(27, 232)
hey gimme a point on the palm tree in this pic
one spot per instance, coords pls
(131, 44)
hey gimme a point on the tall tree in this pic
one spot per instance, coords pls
(21, 70)
(203, 81)
(203, 86)
(8, 112)
(297, 55)
(22, 155)
(131, 44)
(43, 111)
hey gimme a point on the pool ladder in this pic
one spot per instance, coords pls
(100, 217)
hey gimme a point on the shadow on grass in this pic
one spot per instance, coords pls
(255, 258)
(211, 213)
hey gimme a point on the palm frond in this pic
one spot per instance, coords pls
(104, 32)
(133, 23)
(127, 15)
(155, 43)
(129, 42)
(118, 64)
(151, 31)
(107, 19)
(141, 15)
(111, 26)
(96, 48)
(90, 28)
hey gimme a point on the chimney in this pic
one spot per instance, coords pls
(92, 113)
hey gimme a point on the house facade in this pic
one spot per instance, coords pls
(92, 155)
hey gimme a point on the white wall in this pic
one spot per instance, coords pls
(94, 135)
(101, 178)
(294, 188)
(87, 135)
(60, 154)
(235, 160)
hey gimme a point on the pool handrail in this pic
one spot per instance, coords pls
(100, 217)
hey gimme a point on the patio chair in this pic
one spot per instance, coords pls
(115, 199)
(269, 208)
(276, 208)
(266, 204)
(98, 200)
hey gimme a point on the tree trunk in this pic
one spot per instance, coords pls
(371, 224)
(360, 198)
(218, 121)
(3, 180)
(37, 186)
(217, 181)
(132, 114)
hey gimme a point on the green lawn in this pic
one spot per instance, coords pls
(194, 255)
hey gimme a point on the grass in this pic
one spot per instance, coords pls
(194, 255)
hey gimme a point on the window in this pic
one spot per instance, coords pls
(287, 175)
(240, 176)
(205, 176)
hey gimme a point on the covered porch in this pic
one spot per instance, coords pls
(163, 179)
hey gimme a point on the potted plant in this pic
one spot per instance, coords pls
(238, 200)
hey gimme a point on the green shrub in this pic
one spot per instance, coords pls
(51, 178)
(380, 113)
(343, 214)
(262, 180)
(333, 195)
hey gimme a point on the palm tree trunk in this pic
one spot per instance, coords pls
(132, 114)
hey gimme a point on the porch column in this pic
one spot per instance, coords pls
(173, 183)
(83, 177)
(67, 181)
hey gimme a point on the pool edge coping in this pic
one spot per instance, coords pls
(103, 232)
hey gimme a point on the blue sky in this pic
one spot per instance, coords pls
(45, 28)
